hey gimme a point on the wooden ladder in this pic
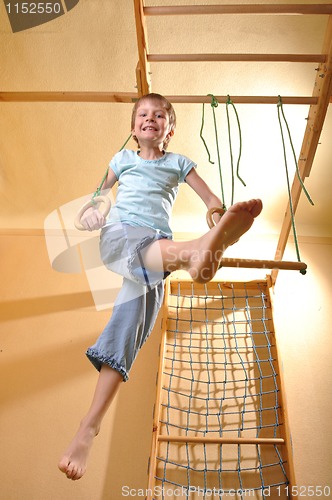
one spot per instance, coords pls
(220, 417)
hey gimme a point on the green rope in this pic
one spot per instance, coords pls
(214, 104)
(201, 135)
(279, 108)
(294, 155)
(98, 190)
(230, 102)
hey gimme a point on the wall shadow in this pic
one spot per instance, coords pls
(37, 306)
(132, 426)
(28, 375)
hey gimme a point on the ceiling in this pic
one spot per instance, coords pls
(54, 152)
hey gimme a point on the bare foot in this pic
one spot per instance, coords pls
(205, 258)
(74, 460)
(201, 257)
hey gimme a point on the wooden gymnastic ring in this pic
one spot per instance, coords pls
(209, 218)
(91, 203)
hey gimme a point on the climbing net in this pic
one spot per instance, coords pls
(221, 427)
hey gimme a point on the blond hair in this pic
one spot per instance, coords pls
(165, 104)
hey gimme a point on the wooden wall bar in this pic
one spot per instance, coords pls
(68, 96)
(130, 97)
(301, 58)
(238, 9)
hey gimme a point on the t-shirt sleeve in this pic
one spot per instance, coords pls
(116, 163)
(185, 166)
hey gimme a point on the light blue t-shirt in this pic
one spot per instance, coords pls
(147, 189)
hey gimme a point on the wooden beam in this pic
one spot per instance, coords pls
(192, 99)
(301, 58)
(143, 70)
(130, 97)
(317, 113)
(139, 80)
(239, 9)
(126, 97)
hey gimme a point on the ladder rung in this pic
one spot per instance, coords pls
(263, 264)
(302, 58)
(238, 9)
(219, 440)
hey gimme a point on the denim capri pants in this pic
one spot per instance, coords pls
(138, 302)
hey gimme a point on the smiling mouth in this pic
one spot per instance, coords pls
(149, 128)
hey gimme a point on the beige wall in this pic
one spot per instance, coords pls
(47, 321)
(303, 324)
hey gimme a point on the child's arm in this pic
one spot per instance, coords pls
(202, 189)
(92, 219)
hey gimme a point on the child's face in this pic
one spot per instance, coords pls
(151, 124)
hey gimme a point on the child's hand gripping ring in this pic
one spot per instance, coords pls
(91, 203)
(213, 210)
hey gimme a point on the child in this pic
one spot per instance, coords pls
(136, 242)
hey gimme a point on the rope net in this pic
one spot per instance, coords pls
(220, 382)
